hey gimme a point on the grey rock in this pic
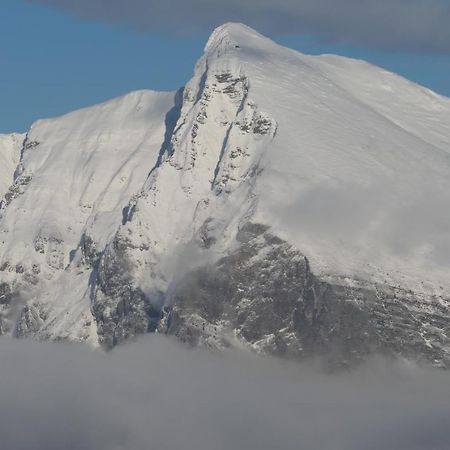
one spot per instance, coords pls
(266, 296)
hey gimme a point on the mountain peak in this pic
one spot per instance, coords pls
(283, 188)
(234, 28)
(235, 35)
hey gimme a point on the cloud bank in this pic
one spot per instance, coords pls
(415, 25)
(354, 215)
(156, 394)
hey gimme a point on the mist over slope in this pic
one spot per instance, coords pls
(158, 394)
(290, 204)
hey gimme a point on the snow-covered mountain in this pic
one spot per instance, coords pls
(288, 203)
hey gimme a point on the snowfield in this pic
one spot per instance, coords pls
(111, 206)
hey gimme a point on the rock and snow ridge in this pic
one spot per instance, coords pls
(288, 203)
(10, 147)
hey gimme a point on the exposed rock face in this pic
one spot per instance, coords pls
(265, 296)
(17, 189)
(121, 310)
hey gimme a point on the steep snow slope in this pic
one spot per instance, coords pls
(332, 165)
(10, 146)
(289, 203)
(76, 175)
(357, 180)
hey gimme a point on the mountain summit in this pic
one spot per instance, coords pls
(291, 204)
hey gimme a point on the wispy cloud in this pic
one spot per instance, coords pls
(157, 394)
(415, 25)
(355, 215)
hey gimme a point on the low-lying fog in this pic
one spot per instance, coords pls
(157, 394)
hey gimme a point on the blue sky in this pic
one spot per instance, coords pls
(52, 62)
